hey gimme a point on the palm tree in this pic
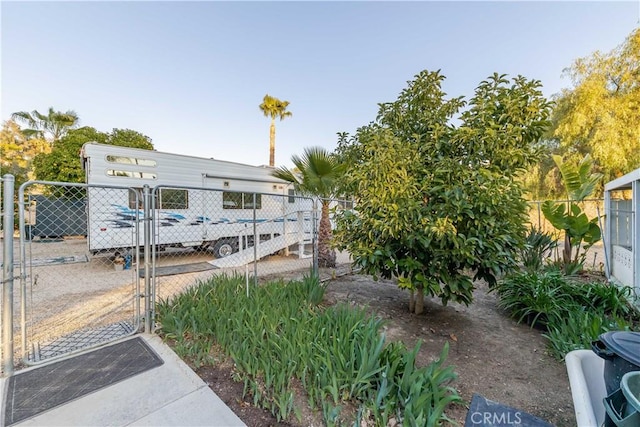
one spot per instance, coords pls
(317, 173)
(51, 126)
(273, 107)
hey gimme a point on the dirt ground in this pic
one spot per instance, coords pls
(492, 355)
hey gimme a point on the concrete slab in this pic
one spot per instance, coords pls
(169, 395)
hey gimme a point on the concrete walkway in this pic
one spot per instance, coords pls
(169, 395)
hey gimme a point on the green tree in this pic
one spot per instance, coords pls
(317, 173)
(436, 201)
(17, 152)
(274, 108)
(600, 114)
(129, 138)
(51, 126)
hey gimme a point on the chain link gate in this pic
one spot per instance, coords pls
(80, 251)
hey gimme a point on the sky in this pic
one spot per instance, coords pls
(191, 75)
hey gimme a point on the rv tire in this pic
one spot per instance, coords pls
(224, 248)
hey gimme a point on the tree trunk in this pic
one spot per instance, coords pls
(566, 253)
(412, 301)
(272, 143)
(420, 301)
(326, 255)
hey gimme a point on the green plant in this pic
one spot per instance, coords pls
(534, 297)
(313, 288)
(573, 314)
(580, 232)
(437, 201)
(279, 333)
(537, 249)
(578, 328)
(608, 298)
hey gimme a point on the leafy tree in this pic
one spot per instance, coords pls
(600, 114)
(436, 201)
(17, 152)
(274, 108)
(51, 126)
(129, 138)
(317, 173)
(63, 164)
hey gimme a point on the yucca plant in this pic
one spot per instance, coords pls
(539, 246)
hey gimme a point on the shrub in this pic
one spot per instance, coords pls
(573, 314)
(578, 329)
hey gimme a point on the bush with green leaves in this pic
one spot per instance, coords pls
(437, 201)
(338, 354)
(572, 313)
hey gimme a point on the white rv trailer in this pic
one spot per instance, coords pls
(187, 213)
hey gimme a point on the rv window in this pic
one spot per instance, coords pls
(131, 161)
(240, 200)
(174, 199)
(169, 199)
(130, 174)
(292, 195)
(135, 199)
(248, 201)
(231, 200)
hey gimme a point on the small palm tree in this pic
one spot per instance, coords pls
(273, 107)
(318, 174)
(51, 126)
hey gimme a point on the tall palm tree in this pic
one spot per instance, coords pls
(317, 173)
(51, 126)
(273, 107)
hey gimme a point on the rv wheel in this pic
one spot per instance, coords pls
(224, 247)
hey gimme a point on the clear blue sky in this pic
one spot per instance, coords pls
(191, 75)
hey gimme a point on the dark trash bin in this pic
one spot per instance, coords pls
(621, 353)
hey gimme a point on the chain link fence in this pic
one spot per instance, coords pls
(91, 261)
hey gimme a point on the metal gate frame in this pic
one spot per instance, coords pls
(26, 276)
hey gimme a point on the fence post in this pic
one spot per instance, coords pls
(314, 221)
(255, 243)
(146, 203)
(7, 285)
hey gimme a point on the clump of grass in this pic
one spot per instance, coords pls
(338, 354)
(572, 314)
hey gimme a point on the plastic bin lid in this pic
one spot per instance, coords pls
(630, 386)
(624, 344)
